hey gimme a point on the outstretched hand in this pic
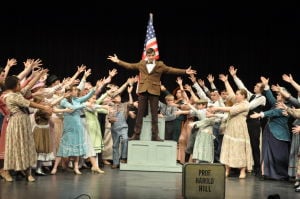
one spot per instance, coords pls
(190, 71)
(255, 115)
(113, 58)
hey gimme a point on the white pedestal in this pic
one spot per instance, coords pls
(147, 155)
(146, 133)
(152, 156)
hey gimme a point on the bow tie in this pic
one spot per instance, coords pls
(149, 62)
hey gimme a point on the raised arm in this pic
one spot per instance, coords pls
(289, 79)
(106, 81)
(10, 63)
(201, 82)
(87, 73)
(188, 88)
(31, 65)
(281, 90)
(179, 82)
(129, 90)
(211, 79)
(228, 87)
(130, 81)
(237, 80)
(199, 90)
(57, 100)
(80, 69)
(190, 71)
(37, 75)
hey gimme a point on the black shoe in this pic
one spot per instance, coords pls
(284, 179)
(263, 177)
(134, 137)
(256, 172)
(292, 179)
(19, 175)
(178, 162)
(89, 164)
(47, 169)
(101, 164)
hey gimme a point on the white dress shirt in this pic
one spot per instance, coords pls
(150, 66)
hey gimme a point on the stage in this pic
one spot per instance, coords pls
(116, 183)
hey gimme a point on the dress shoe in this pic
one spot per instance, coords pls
(134, 137)
(39, 172)
(47, 169)
(115, 166)
(53, 172)
(101, 164)
(256, 172)
(226, 174)
(22, 174)
(263, 177)
(70, 165)
(178, 162)
(77, 172)
(157, 138)
(297, 184)
(106, 162)
(6, 176)
(242, 175)
(30, 178)
(96, 170)
(284, 179)
(292, 179)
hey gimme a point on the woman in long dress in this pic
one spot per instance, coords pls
(276, 137)
(236, 149)
(73, 143)
(20, 152)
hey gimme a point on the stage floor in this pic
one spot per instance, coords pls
(133, 184)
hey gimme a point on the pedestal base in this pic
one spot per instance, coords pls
(152, 156)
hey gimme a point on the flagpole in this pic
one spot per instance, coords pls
(151, 17)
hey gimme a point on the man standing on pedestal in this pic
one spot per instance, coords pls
(150, 72)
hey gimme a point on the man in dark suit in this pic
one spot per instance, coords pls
(149, 87)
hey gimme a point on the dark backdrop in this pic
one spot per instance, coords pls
(210, 38)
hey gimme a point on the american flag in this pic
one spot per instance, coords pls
(150, 41)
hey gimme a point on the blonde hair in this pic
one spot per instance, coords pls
(169, 97)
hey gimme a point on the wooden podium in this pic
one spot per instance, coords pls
(147, 155)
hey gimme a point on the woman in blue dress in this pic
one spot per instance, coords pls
(73, 143)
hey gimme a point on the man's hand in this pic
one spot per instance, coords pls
(190, 71)
(113, 58)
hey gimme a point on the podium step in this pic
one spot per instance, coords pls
(137, 167)
(152, 156)
(146, 134)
